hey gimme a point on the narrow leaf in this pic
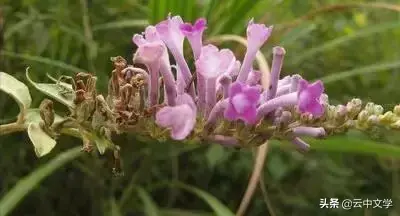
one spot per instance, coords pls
(181, 212)
(218, 208)
(16, 89)
(62, 93)
(25, 185)
(150, 208)
(361, 71)
(43, 60)
(121, 24)
(41, 141)
(341, 40)
(114, 209)
(347, 144)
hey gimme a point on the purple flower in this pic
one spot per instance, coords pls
(150, 48)
(194, 33)
(180, 119)
(211, 64)
(257, 34)
(309, 97)
(153, 53)
(242, 103)
(171, 35)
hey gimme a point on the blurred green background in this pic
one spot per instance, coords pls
(354, 46)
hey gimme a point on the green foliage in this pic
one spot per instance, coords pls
(16, 89)
(346, 47)
(28, 183)
(41, 141)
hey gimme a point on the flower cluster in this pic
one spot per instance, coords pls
(221, 99)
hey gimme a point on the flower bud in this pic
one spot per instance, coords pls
(378, 109)
(396, 125)
(354, 106)
(387, 118)
(370, 108)
(373, 120)
(396, 110)
(340, 111)
(363, 116)
(324, 99)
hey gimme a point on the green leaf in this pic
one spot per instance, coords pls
(150, 208)
(341, 40)
(41, 141)
(360, 71)
(349, 144)
(214, 155)
(17, 90)
(114, 209)
(25, 185)
(55, 91)
(101, 144)
(181, 212)
(43, 60)
(120, 24)
(218, 208)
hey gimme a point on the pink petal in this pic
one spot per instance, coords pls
(138, 39)
(253, 94)
(230, 113)
(165, 117)
(185, 119)
(316, 109)
(250, 116)
(303, 84)
(240, 103)
(200, 24)
(150, 52)
(317, 88)
(151, 34)
(235, 89)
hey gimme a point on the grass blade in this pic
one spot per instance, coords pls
(348, 144)
(341, 40)
(42, 60)
(120, 25)
(219, 208)
(28, 183)
(361, 71)
(150, 208)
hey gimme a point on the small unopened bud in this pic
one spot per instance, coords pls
(340, 111)
(324, 99)
(396, 110)
(369, 107)
(378, 109)
(363, 116)
(354, 106)
(396, 125)
(373, 120)
(387, 118)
